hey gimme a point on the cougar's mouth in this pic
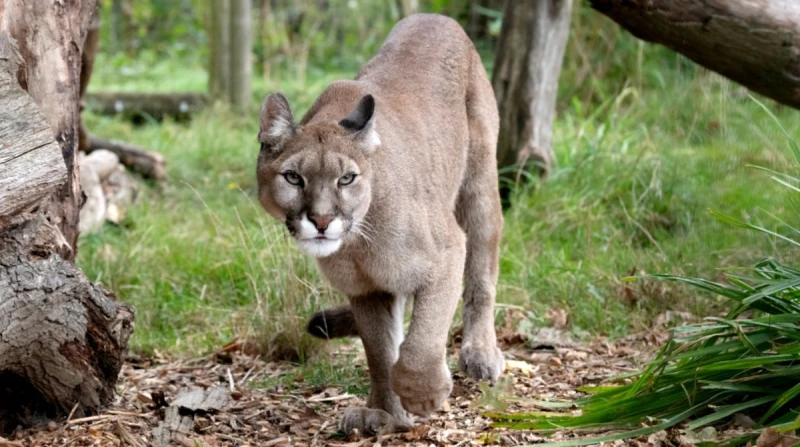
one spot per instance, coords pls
(319, 248)
(316, 242)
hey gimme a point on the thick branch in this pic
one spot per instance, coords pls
(753, 42)
(147, 163)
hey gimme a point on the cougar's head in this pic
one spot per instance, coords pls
(315, 178)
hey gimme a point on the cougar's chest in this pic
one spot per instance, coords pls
(399, 271)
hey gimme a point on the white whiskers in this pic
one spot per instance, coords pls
(365, 230)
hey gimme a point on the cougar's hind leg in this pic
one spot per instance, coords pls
(479, 213)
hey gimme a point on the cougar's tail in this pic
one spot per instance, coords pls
(333, 323)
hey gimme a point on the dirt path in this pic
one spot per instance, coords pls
(237, 413)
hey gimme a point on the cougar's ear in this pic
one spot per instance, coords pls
(361, 121)
(277, 122)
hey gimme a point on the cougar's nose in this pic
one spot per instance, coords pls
(321, 222)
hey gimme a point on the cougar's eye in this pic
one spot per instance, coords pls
(293, 178)
(347, 179)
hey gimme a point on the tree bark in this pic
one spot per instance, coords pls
(63, 338)
(219, 42)
(530, 53)
(90, 46)
(753, 42)
(241, 40)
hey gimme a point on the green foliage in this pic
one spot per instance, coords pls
(746, 362)
(166, 27)
(289, 36)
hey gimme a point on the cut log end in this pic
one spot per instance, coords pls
(64, 338)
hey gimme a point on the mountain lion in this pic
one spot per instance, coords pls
(390, 180)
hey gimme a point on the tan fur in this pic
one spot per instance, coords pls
(418, 127)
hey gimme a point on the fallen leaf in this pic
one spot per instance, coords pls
(488, 439)
(524, 367)
(771, 438)
(575, 355)
(707, 434)
(491, 397)
(198, 399)
(417, 433)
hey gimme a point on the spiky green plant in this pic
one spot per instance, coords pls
(747, 362)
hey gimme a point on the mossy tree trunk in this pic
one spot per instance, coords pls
(528, 62)
(241, 49)
(219, 42)
(231, 41)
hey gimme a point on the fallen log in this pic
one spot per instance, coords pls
(141, 106)
(755, 43)
(147, 163)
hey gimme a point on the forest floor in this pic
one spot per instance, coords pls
(222, 400)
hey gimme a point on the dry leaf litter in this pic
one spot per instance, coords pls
(217, 400)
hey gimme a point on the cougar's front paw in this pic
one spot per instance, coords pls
(481, 362)
(421, 391)
(371, 421)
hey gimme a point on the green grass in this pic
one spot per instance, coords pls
(632, 195)
(645, 143)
